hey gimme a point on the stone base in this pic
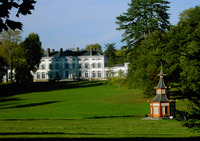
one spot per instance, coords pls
(157, 118)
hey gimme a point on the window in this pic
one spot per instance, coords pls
(86, 74)
(80, 65)
(66, 66)
(99, 65)
(57, 66)
(158, 91)
(79, 74)
(86, 65)
(164, 110)
(38, 75)
(99, 73)
(74, 66)
(155, 109)
(67, 74)
(43, 66)
(93, 65)
(43, 75)
(93, 74)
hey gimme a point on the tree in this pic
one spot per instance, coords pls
(29, 56)
(143, 17)
(2, 68)
(118, 79)
(23, 7)
(96, 47)
(120, 56)
(189, 28)
(9, 42)
(22, 73)
(110, 53)
(149, 55)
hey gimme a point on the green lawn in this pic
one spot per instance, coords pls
(68, 109)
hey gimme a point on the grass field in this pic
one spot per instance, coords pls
(80, 109)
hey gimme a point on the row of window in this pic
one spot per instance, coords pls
(43, 75)
(73, 66)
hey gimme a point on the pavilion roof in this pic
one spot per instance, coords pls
(160, 98)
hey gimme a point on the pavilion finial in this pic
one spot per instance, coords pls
(161, 66)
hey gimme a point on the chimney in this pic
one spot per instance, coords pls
(91, 50)
(61, 51)
(77, 51)
(48, 52)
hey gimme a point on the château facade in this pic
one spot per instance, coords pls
(74, 65)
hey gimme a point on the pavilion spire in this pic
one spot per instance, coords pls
(161, 83)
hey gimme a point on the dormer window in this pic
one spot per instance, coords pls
(163, 91)
(159, 91)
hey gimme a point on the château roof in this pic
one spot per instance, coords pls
(71, 53)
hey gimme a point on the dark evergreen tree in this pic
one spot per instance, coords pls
(143, 17)
(110, 53)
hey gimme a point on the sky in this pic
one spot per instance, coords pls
(76, 23)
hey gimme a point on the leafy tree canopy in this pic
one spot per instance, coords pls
(23, 7)
(9, 43)
(96, 47)
(33, 50)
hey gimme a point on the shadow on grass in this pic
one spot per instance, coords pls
(22, 88)
(100, 139)
(7, 90)
(30, 105)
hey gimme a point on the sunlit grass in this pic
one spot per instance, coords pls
(75, 109)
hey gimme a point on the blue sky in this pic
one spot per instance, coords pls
(77, 23)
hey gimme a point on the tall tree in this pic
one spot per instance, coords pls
(9, 42)
(120, 56)
(189, 28)
(96, 47)
(110, 53)
(29, 55)
(141, 18)
(23, 7)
